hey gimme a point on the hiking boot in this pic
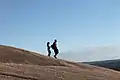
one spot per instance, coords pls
(55, 57)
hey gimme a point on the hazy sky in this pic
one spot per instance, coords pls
(76, 24)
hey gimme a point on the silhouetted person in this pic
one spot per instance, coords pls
(48, 48)
(54, 47)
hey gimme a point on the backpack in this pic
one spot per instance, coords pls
(52, 46)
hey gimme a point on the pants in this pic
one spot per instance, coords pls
(56, 51)
(49, 52)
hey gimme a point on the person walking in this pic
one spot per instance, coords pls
(54, 47)
(48, 49)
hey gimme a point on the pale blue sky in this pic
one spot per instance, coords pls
(75, 24)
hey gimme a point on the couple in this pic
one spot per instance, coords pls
(54, 47)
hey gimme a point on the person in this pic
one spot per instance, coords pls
(54, 47)
(48, 49)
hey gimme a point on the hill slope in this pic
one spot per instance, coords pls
(21, 56)
(19, 64)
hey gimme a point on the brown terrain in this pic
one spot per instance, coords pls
(20, 64)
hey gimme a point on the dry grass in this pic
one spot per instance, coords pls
(18, 64)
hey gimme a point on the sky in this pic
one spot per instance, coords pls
(79, 26)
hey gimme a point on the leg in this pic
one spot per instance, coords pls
(49, 53)
(56, 52)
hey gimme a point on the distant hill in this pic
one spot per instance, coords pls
(20, 64)
(111, 64)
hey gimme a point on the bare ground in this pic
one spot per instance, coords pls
(19, 64)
